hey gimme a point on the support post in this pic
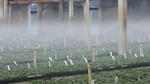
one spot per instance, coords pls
(140, 49)
(39, 11)
(100, 11)
(9, 13)
(26, 12)
(61, 9)
(6, 9)
(71, 10)
(86, 11)
(65, 41)
(93, 52)
(122, 17)
(89, 73)
(35, 58)
(86, 14)
(71, 14)
(1, 10)
(100, 14)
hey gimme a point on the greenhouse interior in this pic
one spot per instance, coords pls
(74, 42)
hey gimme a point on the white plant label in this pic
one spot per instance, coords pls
(129, 51)
(93, 81)
(28, 65)
(50, 58)
(116, 79)
(113, 58)
(66, 63)
(15, 63)
(85, 60)
(125, 56)
(142, 55)
(135, 55)
(8, 67)
(111, 54)
(71, 62)
(68, 57)
(141, 50)
(49, 63)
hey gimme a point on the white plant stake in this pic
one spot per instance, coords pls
(8, 67)
(116, 79)
(50, 58)
(55, 56)
(93, 81)
(140, 49)
(142, 55)
(125, 56)
(28, 65)
(49, 63)
(66, 63)
(71, 62)
(135, 55)
(129, 51)
(111, 54)
(68, 57)
(85, 60)
(15, 63)
(113, 58)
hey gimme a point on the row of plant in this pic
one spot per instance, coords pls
(43, 54)
(131, 76)
(22, 70)
(48, 66)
